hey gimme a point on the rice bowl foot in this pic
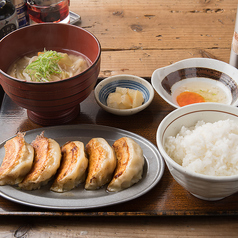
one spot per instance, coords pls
(207, 199)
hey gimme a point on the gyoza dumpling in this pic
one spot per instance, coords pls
(102, 163)
(45, 164)
(130, 162)
(17, 161)
(72, 168)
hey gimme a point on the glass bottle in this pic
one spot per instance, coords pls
(21, 8)
(8, 18)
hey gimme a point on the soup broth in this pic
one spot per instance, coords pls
(48, 66)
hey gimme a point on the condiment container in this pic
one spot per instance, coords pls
(21, 8)
(8, 18)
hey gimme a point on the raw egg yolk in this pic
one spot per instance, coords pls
(186, 98)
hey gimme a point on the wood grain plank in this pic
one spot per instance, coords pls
(137, 37)
(92, 227)
(144, 62)
(159, 24)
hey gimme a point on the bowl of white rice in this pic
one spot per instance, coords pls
(199, 144)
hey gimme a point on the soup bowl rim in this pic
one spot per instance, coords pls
(58, 81)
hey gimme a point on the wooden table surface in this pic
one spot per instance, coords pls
(137, 37)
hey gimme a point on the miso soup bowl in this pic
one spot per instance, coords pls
(55, 102)
(202, 186)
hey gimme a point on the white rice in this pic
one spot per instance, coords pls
(206, 148)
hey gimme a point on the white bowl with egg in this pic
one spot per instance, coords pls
(213, 80)
(212, 170)
(125, 81)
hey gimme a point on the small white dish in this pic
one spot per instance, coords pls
(197, 70)
(108, 85)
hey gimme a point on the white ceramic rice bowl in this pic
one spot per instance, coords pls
(202, 186)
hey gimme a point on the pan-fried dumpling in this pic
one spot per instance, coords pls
(102, 163)
(17, 161)
(73, 167)
(45, 164)
(130, 162)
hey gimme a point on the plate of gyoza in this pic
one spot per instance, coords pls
(74, 167)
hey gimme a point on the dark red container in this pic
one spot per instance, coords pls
(53, 102)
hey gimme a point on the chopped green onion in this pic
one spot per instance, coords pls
(44, 66)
